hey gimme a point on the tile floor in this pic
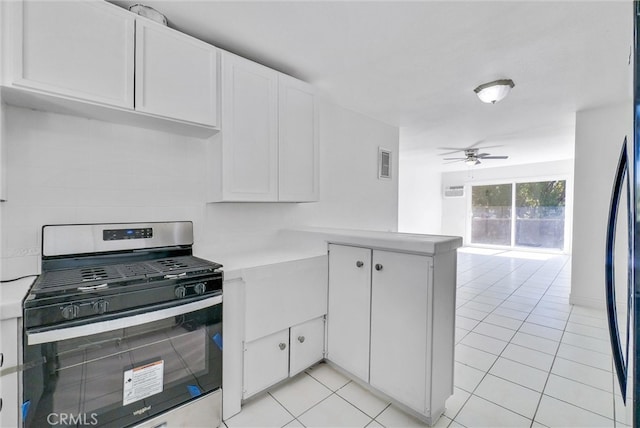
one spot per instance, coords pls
(524, 358)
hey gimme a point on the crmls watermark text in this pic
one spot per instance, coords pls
(71, 419)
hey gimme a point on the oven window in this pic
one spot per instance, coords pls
(121, 377)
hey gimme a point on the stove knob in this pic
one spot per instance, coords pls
(100, 307)
(200, 288)
(180, 292)
(70, 312)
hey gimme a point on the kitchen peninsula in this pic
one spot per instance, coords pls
(378, 306)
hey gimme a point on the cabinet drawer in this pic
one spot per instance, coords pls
(266, 362)
(284, 294)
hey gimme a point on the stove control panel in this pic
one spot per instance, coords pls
(120, 234)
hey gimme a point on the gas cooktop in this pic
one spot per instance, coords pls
(102, 270)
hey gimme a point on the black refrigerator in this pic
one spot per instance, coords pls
(622, 283)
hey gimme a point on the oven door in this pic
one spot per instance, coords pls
(122, 371)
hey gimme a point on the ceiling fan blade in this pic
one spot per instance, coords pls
(452, 150)
(485, 147)
(495, 157)
(482, 155)
(454, 159)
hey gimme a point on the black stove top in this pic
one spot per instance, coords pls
(88, 276)
(138, 265)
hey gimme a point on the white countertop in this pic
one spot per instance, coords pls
(11, 296)
(299, 244)
(394, 241)
(235, 264)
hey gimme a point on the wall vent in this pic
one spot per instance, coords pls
(384, 163)
(453, 191)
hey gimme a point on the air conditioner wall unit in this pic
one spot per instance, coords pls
(453, 191)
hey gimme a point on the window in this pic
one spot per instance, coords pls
(528, 214)
(491, 214)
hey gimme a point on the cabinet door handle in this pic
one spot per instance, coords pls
(1, 359)
(378, 266)
(282, 346)
(359, 263)
(301, 339)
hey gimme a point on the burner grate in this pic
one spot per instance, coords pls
(173, 264)
(58, 278)
(137, 269)
(93, 273)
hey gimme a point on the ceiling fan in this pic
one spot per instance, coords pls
(472, 155)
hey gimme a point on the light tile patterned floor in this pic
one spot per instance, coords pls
(524, 358)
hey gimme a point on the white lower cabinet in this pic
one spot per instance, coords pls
(400, 328)
(390, 323)
(349, 308)
(266, 362)
(9, 344)
(273, 358)
(307, 345)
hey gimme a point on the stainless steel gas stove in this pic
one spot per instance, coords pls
(123, 327)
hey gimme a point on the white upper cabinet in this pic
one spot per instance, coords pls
(83, 50)
(298, 148)
(92, 58)
(250, 130)
(268, 148)
(176, 75)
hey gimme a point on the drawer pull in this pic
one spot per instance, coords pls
(301, 339)
(378, 267)
(282, 346)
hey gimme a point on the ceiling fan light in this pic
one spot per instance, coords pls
(495, 91)
(472, 161)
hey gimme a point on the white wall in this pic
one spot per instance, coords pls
(420, 202)
(456, 211)
(599, 135)
(64, 169)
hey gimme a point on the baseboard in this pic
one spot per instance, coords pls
(589, 302)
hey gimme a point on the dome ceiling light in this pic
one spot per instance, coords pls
(495, 91)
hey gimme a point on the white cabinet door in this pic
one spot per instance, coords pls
(349, 308)
(176, 75)
(79, 49)
(400, 326)
(298, 141)
(307, 345)
(266, 362)
(249, 130)
(9, 343)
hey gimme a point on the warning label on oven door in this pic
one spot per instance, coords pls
(142, 382)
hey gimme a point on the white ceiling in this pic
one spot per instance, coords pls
(415, 64)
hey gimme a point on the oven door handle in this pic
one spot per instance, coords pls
(58, 334)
